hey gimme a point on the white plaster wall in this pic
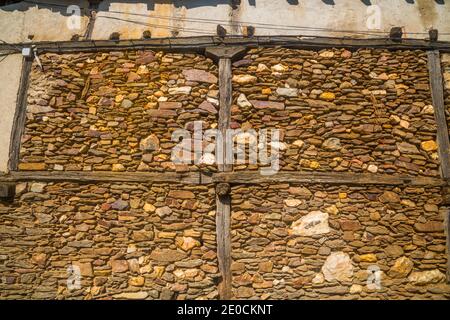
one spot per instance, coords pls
(281, 17)
(10, 70)
(18, 21)
(167, 18)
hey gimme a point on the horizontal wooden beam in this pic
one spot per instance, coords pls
(236, 177)
(202, 42)
(254, 177)
(104, 176)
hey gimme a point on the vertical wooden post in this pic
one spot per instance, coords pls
(447, 229)
(224, 56)
(19, 115)
(225, 100)
(437, 94)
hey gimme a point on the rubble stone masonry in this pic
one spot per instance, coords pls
(366, 111)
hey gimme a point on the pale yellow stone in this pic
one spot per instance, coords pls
(148, 207)
(332, 209)
(136, 281)
(167, 235)
(187, 243)
(292, 202)
(118, 167)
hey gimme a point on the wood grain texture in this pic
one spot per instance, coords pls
(254, 177)
(19, 116)
(200, 43)
(447, 230)
(106, 176)
(437, 94)
(225, 158)
(223, 227)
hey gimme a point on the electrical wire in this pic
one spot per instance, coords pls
(261, 25)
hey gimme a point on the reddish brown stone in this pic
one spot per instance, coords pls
(199, 76)
(259, 104)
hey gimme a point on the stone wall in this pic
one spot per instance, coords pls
(115, 111)
(367, 111)
(129, 241)
(320, 242)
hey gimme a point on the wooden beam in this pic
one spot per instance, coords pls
(447, 231)
(437, 94)
(225, 160)
(236, 177)
(107, 176)
(224, 56)
(19, 115)
(202, 42)
(334, 178)
(223, 227)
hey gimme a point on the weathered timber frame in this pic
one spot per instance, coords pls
(19, 115)
(224, 51)
(200, 43)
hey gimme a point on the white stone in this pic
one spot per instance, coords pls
(404, 124)
(163, 211)
(372, 168)
(428, 109)
(37, 187)
(318, 279)
(426, 277)
(286, 269)
(244, 79)
(315, 222)
(298, 143)
(38, 109)
(131, 295)
(262, 67)
(292, 202)
(379, 92)
(180, 90)
(131, 248)
(338, 266)
(287, 92)
(279, 68)
(327, 54)
(332, 144)
(243, 102)
(213, 101)
(355, 288)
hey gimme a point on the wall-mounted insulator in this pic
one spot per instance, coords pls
(248, 31)
(7, 192)
(221, 31)
(235, 4)
(434, 34)
(114, 36)
(147, 34)
(396, 34)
